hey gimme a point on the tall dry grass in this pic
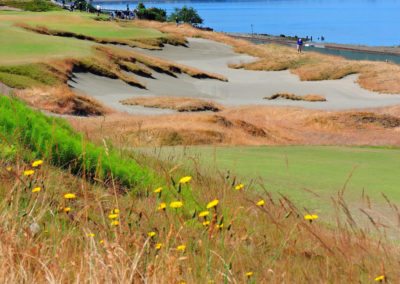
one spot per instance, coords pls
(242, 240)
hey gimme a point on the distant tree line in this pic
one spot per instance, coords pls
(183, 15)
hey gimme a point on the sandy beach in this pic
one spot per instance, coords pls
(244, 87)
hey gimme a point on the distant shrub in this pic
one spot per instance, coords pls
(152, 14)
(186, 15)
(54, 140)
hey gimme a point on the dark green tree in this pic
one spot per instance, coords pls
(152, 14)
(186, 15)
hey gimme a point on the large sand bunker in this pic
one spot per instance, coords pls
(244, 87)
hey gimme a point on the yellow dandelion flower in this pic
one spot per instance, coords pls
(212, 204)
(204, 213)
(37, 163)
(113, 216)
(158, 190)
(90, 235)
(115, 211)
(380, 278)
(151, 234)
(158, 246)
(219, 226)
(185, 179)
(69, 196)
(36, 189)
(240, 186)
(162, 206)
(67, 209)
(249, 274)
(310, 217)
(176, 204)
(28, 173)
(115, 223)
(101, 242)
(206, 223)
(9, 169)
(260, 203)
(181, 248)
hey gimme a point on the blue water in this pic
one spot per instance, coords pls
(368, 22)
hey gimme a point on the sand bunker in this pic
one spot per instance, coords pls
(243, 88)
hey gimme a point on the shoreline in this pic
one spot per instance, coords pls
(264, 39)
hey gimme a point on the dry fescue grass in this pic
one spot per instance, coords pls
(145, 43)
(180, 104)
(375, 76)
(293, 97)
(62, 100)
(249, 126)
(158, 64)
(40, 242)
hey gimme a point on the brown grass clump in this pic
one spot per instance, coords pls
(293, 97)
(61, 100)
(180, 104)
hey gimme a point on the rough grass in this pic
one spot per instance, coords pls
(180, 104)
(271, 243)
(31, 5)
(265, 125)
(293, 97)
(55, 140)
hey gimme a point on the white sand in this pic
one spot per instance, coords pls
(244, 87)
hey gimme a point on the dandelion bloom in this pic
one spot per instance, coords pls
(240, 186)
(249, 274)
(219, 226)
(67, 209)
(158, 190)
(90, 235)
(185, 179)
(181, 248)
(158, 246)
(69, 196)
(112, 216)
(37, 163)
(151, 234)
(162, 206)
(206, 223)
(261, 203)
(36, 189)
(115, 211)
(380, 278)
(310, 218)
(9, 169)
(212, 204)
(176, 204)
(204, 213)
(28, 173)
(115, 223)
(101, 242)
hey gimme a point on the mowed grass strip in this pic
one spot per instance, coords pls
(294, 170)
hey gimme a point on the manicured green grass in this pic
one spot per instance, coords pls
(18, 46)
(294, 170)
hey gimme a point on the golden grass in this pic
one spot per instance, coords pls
(261, 126)
(180, 104)
(293, 97)
(375, 76)
(62, 100)
(242, 241)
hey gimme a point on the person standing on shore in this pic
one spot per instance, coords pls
(299, 45)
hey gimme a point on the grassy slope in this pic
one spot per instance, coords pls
(324, 170)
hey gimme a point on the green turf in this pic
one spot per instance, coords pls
(323, 170)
